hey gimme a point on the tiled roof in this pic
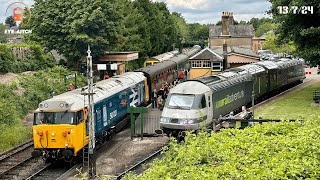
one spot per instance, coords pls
(235, 30)
(238, 50)
(207, 54)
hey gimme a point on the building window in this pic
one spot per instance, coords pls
(206, 64)
(216, 66)
(196, 64)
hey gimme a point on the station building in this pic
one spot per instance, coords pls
(113, 63)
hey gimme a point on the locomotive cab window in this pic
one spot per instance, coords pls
(203, 102)
(79, 116)
(54, 118)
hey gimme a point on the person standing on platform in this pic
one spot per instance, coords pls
(154, 98)
(161, 92)
(160, 103)
(181, 76)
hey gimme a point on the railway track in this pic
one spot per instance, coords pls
(14, 161)
(51, 171)
(137, 168)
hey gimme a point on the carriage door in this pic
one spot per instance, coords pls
(209, 105)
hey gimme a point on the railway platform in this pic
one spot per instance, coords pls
(151, 122)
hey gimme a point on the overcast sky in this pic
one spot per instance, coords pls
(210, 11)
(201, 11)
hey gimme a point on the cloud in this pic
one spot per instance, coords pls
(195, 11)
(209, 11)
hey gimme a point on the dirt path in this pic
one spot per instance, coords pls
(8, 77)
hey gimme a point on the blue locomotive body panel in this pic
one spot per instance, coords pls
(112, 110)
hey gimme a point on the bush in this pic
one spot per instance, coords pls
(34, 88)
(35, 60)
(285, 150)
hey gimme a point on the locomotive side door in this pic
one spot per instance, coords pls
(209, 106)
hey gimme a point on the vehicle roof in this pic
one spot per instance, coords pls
(102, 89)
(190, 87)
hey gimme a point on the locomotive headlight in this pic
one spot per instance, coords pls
(164, 119)
(190, 121)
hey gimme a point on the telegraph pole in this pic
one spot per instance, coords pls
(92, 160)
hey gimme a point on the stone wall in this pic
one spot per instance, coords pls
(245, 42)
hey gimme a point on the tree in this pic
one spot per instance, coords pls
(3, 36)
(198, 31)
(302, 29)
(183, 31)
(264, 28)
(9, 20)
(271, 44)
(82, 23)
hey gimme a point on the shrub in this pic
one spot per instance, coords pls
(285, 150)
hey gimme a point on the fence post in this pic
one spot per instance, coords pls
(75, 80)
(141, 125)
(132, 124)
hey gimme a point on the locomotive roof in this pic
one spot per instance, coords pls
(190, 87)
(74, 100)
(252, 68)
(224, 80)
(268, 64)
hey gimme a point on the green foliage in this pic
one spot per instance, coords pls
(198, 31)
(3, 36)
(302, 29)
(9, 20)
(12, 135)
(36, 59)
(264, 28)
(39, 85)
(18, 99)
(271, 44)
(271, 151)
(284, 150)
(82, 23)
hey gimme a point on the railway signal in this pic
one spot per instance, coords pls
(91, 164)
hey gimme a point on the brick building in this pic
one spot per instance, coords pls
(233, 35)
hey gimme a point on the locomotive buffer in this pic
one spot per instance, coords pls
(89, 160)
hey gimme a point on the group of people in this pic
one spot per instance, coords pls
(245, 114)
(159, 97)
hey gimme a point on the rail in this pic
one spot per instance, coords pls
(139, 164)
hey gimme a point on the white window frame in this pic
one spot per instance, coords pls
(216, 67)
(196, 64)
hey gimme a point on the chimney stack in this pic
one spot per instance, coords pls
(227, 20)
(225, 56)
